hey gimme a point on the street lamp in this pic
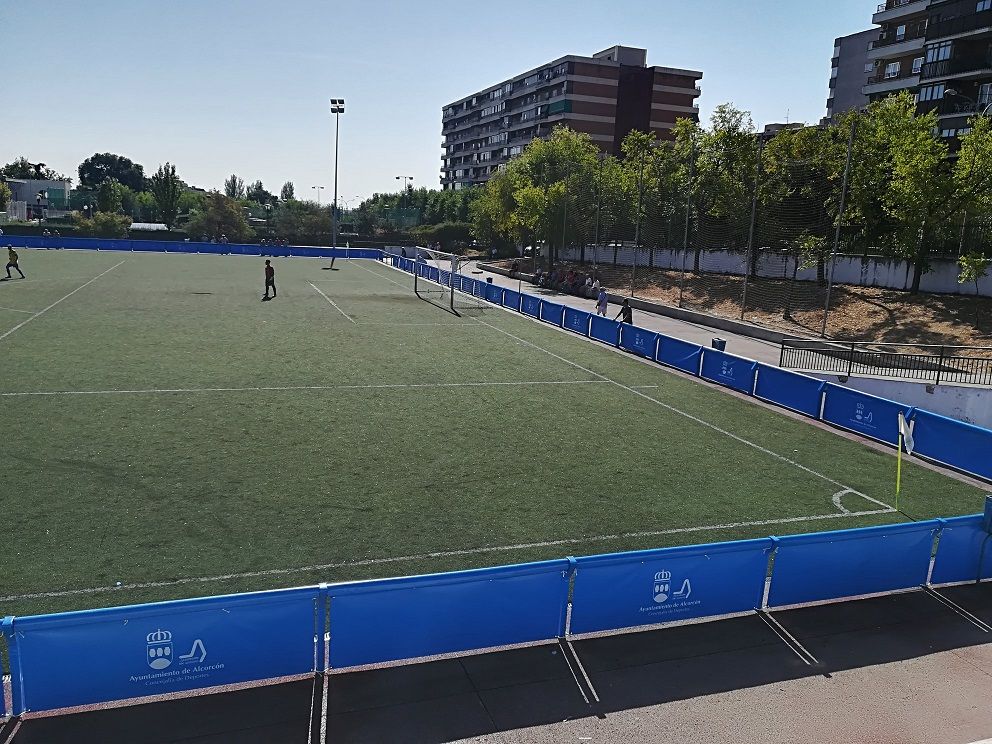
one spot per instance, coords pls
(955, 94)
(406, 180)
(318, 189)
(337, 108)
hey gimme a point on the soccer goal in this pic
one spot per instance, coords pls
(437, 279)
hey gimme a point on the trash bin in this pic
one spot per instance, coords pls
(489, 280)
(720, 344)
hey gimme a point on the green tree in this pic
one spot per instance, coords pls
(220, 215)
(974, 267)
(234, 187)
(256, 192)
(5, 195)
(147, 207)
(110, 197)
(105, 166)
(105, 225)
(452, 236)
(22, 168)
(301, 219)
(288, 191)
(168, 190)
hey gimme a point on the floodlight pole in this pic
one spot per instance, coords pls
(337, 108)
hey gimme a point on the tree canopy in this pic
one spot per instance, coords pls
(101, 167)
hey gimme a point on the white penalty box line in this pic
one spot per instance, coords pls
(443, 554)
(844, 489)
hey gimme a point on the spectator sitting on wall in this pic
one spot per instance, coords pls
(596, 285)
(538, 276)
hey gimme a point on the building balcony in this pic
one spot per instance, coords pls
(957, 68)
(955, 106)
(972, 24)
(894, 10)
(882, 83)
(892, 45)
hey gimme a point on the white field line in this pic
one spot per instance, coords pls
(844, 488)
(15, 310)
(318, 290)
(66, 297)
(443, 554)
(387, 386)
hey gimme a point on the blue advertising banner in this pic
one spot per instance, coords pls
(494, 293)
(408, 618)
(679, 354)
(877, 418)
(850, 563)
(577, 320)
(638, 340)
(964, 551)
(511, 299)
(963, 446)
(604, 329)
(727, 369)
(79, 658)
(790, 390)
(648, 587)
(552, 312)
(530, 305)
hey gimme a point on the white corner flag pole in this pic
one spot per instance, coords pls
(905, 440)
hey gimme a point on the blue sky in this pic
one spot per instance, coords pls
(241, 86)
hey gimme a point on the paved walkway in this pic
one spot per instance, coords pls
(751, 348)
(903, 668)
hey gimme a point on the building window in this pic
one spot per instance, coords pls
(985, 92)
(983, 5)
(939, 52)
(918, 63)
(900, 32)
(892, 70)
(869, 68)
(932, 92)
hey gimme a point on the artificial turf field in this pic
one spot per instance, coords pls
(163, 428)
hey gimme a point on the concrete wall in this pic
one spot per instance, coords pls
(873, 271)
(971, 404)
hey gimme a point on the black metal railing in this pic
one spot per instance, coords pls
(955, 67)
(970, 365)
(883, 77)
(960, 25)
(892, 4)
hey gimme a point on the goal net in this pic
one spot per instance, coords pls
(437, 279)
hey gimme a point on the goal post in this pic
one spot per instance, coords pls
(434, 275)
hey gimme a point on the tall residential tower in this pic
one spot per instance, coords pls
(606, 96)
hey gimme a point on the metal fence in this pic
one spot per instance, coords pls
(971, 365)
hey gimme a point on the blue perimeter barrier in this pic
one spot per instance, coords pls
(962, 446)
(124, 653)
(175, 246)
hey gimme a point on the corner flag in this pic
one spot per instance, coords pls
(905, 440)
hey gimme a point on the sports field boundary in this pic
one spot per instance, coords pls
(442, 554)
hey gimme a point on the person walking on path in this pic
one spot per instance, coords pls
(270, 280)
(602, 302)
(626, 312)
(12, 261)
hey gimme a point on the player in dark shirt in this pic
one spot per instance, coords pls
(270, 280)
(626, 312)
(12, 261)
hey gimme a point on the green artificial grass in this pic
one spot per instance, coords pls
(378, 454)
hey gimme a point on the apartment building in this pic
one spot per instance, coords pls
(848, 69)
(941, 50)
(605, 96)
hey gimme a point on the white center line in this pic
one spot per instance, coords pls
(15, 310)
(42, 312)
(317, 289)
